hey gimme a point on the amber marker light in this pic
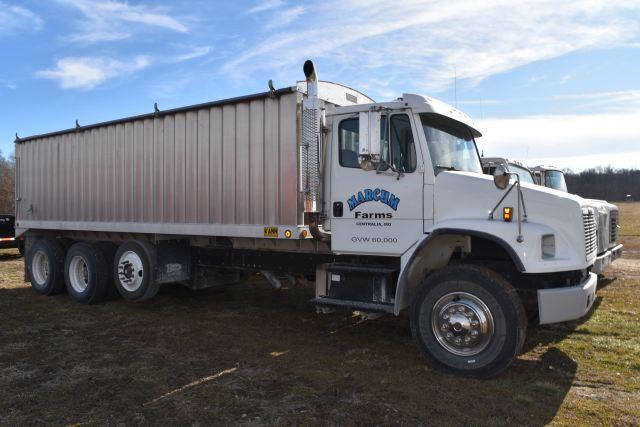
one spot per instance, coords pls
(303, 234)
(287, 234)
(507, 214)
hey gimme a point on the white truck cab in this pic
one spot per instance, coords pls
(607, 217)
(405, 180)
(489, 165)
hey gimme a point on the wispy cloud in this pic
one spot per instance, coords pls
(284, 17)
(265, 5)
(112, 20)
(193, 52)
(615, 101)
(6, 84)
(535, 79)
(424, 43)
(90, 72)
(18, 19)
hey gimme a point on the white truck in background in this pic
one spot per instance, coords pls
(489, 165)
(383, 203)
(607, 217)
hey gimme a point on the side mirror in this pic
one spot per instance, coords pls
(369, 137)
(501, 177)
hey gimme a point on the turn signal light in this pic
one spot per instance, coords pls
(507, 214)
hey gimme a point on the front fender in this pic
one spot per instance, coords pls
(447, 235)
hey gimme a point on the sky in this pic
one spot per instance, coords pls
(545, 81)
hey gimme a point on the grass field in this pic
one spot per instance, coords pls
(253, 355)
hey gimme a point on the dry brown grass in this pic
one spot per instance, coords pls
(252, 355)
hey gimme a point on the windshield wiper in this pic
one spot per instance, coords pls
(449, 168)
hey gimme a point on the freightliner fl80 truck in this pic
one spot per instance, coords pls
(607, 217)
(383, 204)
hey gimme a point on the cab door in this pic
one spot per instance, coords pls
(377, 211)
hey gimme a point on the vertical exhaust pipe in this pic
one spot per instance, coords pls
(311, 153)
(312, 80)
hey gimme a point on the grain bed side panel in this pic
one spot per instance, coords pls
(228, 164)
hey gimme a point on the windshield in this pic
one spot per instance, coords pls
(523, 174)
(450, 143)
(555, 179)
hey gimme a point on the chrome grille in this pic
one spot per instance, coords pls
(613, 226)
(590, 240)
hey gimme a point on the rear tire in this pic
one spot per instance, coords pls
(468, 320)
(134, 270)
(87, 273)
(45, 267)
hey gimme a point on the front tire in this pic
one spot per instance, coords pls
(468, 320)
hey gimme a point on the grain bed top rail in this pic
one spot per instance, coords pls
(161, 113)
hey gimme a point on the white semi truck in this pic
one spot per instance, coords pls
(516, 168)
(607, 217)
(383, 203)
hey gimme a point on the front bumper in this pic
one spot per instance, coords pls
(568, 303)
(8, 243)
(603, 260)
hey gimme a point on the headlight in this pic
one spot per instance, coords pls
(548, 246)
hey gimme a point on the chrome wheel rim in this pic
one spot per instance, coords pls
(78, 274)
(130, 271)
(462, 323)
(40, 268)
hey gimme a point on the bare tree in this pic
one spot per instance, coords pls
(7, 184)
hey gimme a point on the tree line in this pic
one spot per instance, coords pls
(7, 184)
(605, 183)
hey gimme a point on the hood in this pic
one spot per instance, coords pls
(467, 198)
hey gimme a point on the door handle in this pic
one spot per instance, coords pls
(337, 209)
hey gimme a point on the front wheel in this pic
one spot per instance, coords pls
(467, 319)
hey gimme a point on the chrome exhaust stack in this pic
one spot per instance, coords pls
(311, 153)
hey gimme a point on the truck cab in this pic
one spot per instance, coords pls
(550, 176)
(489, 165)
(405, 182)
(8, 234)
(606, 214)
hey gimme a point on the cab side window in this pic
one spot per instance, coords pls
(349, 140)
(400, 153)
(403, 149)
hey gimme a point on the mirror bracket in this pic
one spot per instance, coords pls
(501, 172)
